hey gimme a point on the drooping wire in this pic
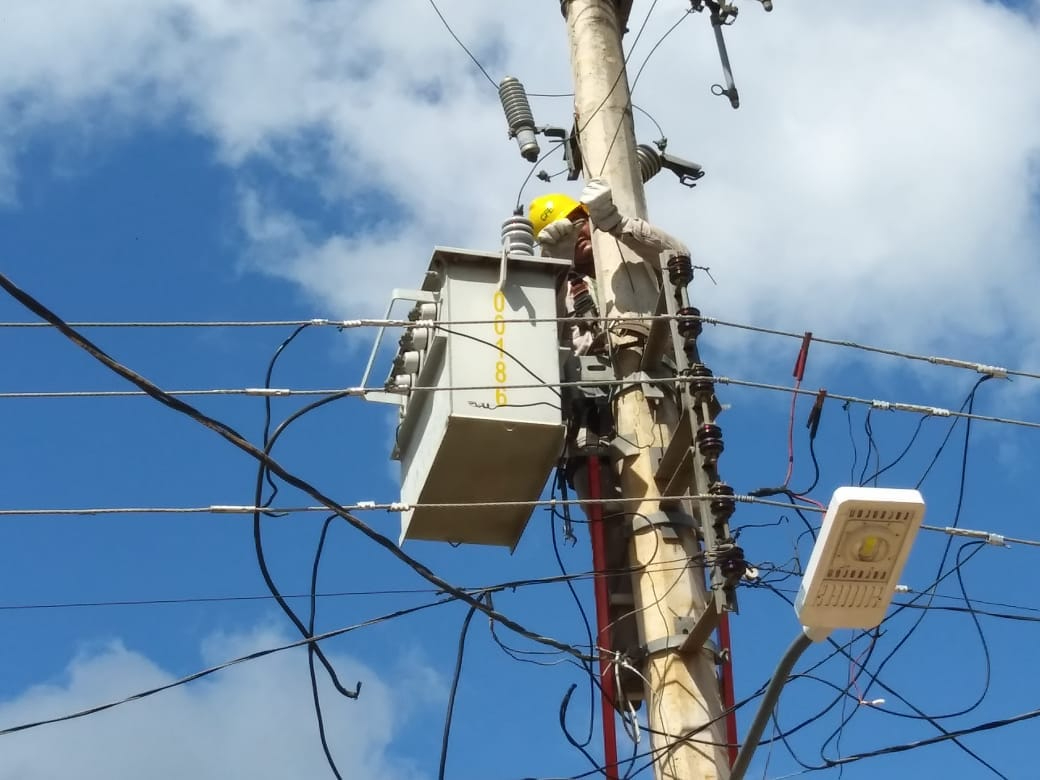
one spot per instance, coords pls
(456, 676)
(311, 646)
(920, 423)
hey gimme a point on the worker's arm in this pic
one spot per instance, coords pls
(636, 233)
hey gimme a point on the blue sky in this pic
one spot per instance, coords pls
(201, 161)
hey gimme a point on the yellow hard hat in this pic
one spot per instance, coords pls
(546, 209)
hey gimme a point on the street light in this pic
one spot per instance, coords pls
(851, 578)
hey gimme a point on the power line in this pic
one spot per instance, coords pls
(209, 599)
(234, 438)
(895, 406)
(938, 360)
(220, 667)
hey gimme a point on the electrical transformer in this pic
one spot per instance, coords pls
(479, 410)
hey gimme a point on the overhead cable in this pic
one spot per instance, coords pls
(234, 438)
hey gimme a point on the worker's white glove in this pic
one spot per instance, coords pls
(600, 204)
(557, 231)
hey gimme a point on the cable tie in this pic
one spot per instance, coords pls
(231, 508)
(267, 391)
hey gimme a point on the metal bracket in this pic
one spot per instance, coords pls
(700, 630)
(686, 640)
(640, 379)
(665, 519)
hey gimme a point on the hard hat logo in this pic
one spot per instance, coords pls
(546, 209)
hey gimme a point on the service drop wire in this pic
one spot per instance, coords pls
(267, 405)
(456, 676)
(969, 404)
(312, 647)
(874, 678)
(264, 472)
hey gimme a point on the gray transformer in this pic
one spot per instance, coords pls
(480, 413)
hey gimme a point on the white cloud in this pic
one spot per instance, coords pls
(879, 179)
(254, 720)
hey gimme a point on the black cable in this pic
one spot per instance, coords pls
(311, 648)
(868, 429)
(220, 667)
(875, 679)
(873, 477)
(969, 400)
(632, 87)
(476, 62)
(847, 407)
(230, 435)
(561, 485)
(649, 116)
(520, 195)
(454, 689)
(267, 408)
(567, 734)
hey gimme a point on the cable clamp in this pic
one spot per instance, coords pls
(883, 405)
(997, 540)
(365, 505)
(903, 589)
(267, 391)
(342, 324)
(231, 509)
(938, 412)
(398, 506)
(997, 372)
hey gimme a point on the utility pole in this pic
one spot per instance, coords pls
(682, 692)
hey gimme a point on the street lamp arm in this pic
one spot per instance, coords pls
(772, 695)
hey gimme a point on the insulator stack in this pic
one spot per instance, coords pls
(649, 161)
(518, 235)
(680, 270)
(732, 563)
(723, 506)
(519, 117)
(689, 322)
(701, 385)
(709, 442)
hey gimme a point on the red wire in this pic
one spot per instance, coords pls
(728, 696)
(603, 640)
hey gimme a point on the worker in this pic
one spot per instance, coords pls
(562, 227)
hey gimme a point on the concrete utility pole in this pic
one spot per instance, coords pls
(683, 692)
